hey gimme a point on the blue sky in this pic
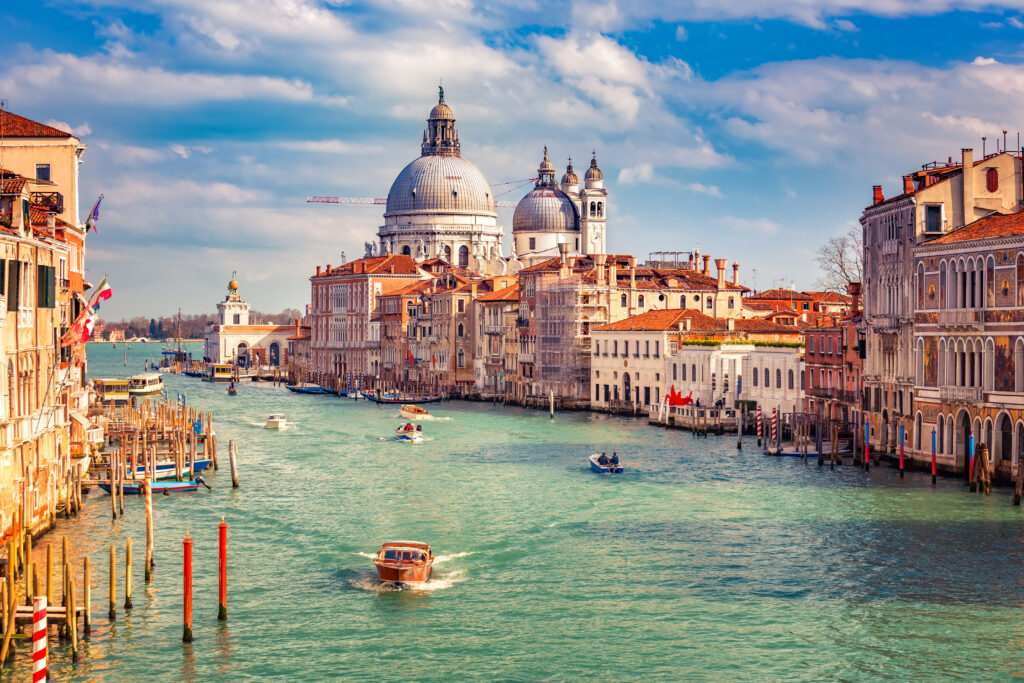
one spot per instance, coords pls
(753, 130)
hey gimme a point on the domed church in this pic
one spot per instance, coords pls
(441, 205)
(550, 214)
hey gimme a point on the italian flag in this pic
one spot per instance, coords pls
(101, 293)
(80, 330)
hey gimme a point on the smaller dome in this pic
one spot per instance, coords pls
(546, 167)
(594, 173)
(545, 209)
(570, 177)
(441, 110)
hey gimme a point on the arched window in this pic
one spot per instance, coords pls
(461, 359)
(920, 287)
(754, 375)
(682, 301)
(640, 301)
(990, 282)
(622, 301)
(448, 254)
(942, 285)
(732, 302)
(767, 379)
(790, 379)
(917, 432)
(600, 209)
(992, 180)
(940, 433)
(675, 372)
(406, 251)
(683, 376)
(462, 330)
(463, 256)
(693, 372)
(778, 379)
(593, 208)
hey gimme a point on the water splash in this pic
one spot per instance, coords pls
(439, 559)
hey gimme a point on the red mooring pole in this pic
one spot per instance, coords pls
(187, 635)
(39, 647)
(222, 610)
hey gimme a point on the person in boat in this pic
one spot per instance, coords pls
(419, 428)
(603, 460)
(615, 458)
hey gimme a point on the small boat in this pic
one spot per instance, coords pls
(400, 399)
(165, 469)
(158, 487)
(412, 433)
(604, 469)
(402, 562)
(231, 390)
(307, 389)
(146, 384)
(276, 421)
(410, 412)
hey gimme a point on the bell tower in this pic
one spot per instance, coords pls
(233, 311)
(593, 210)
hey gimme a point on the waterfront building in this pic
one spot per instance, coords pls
(300, 356)
(968, 350)
(344, 301)
(395, 333)
(775, 378)
(938, 199)
(441, 206)
(833, 369)
(635, 362)
(234, 339)
(563, 299)
(494, 325)
(553, 214)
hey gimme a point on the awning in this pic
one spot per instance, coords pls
(80, 418)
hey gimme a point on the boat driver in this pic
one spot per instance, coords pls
(603, 460)
(615, 458)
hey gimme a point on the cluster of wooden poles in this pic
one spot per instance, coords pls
(70, 617)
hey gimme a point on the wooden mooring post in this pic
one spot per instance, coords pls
(112, 614)
(128, 574)
(232, 458)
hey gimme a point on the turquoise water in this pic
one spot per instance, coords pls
(700, 562)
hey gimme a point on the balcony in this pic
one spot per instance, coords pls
(52, 202)
(885, 323)
(960, 394)
(890, 247)
(494, 329)
(968, 319)
(525, 357)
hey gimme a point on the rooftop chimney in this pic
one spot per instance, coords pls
(854, 289)
(318, 270)
(563, 250)
(720, 268)
(599, 260)
(632, 272)
(878, 196)
(908, 184)
(736, 274)
(707, 268)
(968, 182)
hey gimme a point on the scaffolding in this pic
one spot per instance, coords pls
(563, 347)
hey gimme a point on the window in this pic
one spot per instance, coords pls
(640, 301)
(577, 244)
(461, 359)
(732, 303)
(754, 373)
(693, 372)
(657, 348)
(406, 251)
(810, 344)
(622, 301)
(991, 183)
(647, 349)
(710, 302)
(533, 244)
(675, 372)
(615, 349)
(790, 379)
(448, 254)
(461, 330)
(463, 256)
(682, 376)
(43, 172)
(830, 344)
(778, 379)
(682, 301)
(933, 218)
(237, 319)
(461, 306)
(767, 379)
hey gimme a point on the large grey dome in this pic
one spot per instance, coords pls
(441, 184)
(545, 209)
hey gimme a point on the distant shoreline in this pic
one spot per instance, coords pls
(151, 341)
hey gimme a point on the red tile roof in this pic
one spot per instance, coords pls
(996, 225)
(398, 264)
(510, 293)
(14, 126)
(668, 321)
(830, 297)
(780, 294)
(12, 185)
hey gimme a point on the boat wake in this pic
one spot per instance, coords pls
(263, 425)
(370, 583)
(439, 559)
(423, 418)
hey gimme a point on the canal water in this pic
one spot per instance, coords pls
(699, 562)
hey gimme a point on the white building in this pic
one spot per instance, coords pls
(233, 340)
(774, 378)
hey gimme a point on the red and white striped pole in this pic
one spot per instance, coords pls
(775, 425)
(39, 651)
(760, 425)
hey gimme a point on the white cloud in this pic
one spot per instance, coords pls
(330, 146)
(185, 151)
(77, 131)
(681, 34)
(845, 25)
(701, 188)
(642, 173)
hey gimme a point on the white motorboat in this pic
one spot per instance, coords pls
(410, 433)
(146, 384)
(276, 421)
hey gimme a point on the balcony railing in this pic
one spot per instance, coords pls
(960, 318)
(961, 394)
(885, 322)
(494, 329)
(52, 202)
(525, 357)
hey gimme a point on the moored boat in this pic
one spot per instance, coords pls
(410, 412)
(402, 562)
(306, 389)
(165, 469)
(609, 468)
(168, 486)
(393, 398)
(276, 421)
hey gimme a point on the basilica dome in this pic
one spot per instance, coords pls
(546, 208)
(441, 184)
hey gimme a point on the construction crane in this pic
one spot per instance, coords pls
(324, 199)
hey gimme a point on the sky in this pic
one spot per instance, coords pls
(751, 130)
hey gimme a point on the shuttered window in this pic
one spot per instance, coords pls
(13, 271)
(46, 286)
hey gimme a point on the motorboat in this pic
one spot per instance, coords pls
(409, 432)
(276, 421)
(404, 562)
(146, 384)
(231, 390)
(170, 486)
(604, 469)
(165, 469)
(411, 412)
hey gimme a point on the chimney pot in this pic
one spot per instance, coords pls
(736, 273)
(318, 270)
(707, 268)
(720, 268)
(878, 197)
(908, 184)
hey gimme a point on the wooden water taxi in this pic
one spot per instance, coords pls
(609, 468)
(402, 562)
(410, 412)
